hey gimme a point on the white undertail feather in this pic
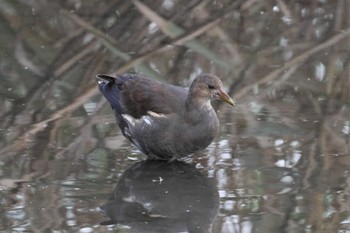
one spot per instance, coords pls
(129, 119)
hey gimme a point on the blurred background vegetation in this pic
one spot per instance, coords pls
(287, 64)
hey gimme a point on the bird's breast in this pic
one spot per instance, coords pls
(201, 133)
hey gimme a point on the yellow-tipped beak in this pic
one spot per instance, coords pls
(226, 98)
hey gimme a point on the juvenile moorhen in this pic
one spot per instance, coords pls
(164, 121)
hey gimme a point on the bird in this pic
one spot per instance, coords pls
(164, 121)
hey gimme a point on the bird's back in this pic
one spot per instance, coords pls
(135, 95)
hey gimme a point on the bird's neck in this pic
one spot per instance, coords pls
(197, 109)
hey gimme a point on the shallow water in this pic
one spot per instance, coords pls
(281, 160)
(272, 178)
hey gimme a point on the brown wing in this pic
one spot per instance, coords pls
(139, 95)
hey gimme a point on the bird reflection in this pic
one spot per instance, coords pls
(157, 196)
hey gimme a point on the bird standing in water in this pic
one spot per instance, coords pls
(164, 121)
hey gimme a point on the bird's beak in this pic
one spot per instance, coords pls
(226, 98)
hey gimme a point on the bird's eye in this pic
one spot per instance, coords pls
(211, 86)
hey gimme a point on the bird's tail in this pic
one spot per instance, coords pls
(110, 90)
(110, 87)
